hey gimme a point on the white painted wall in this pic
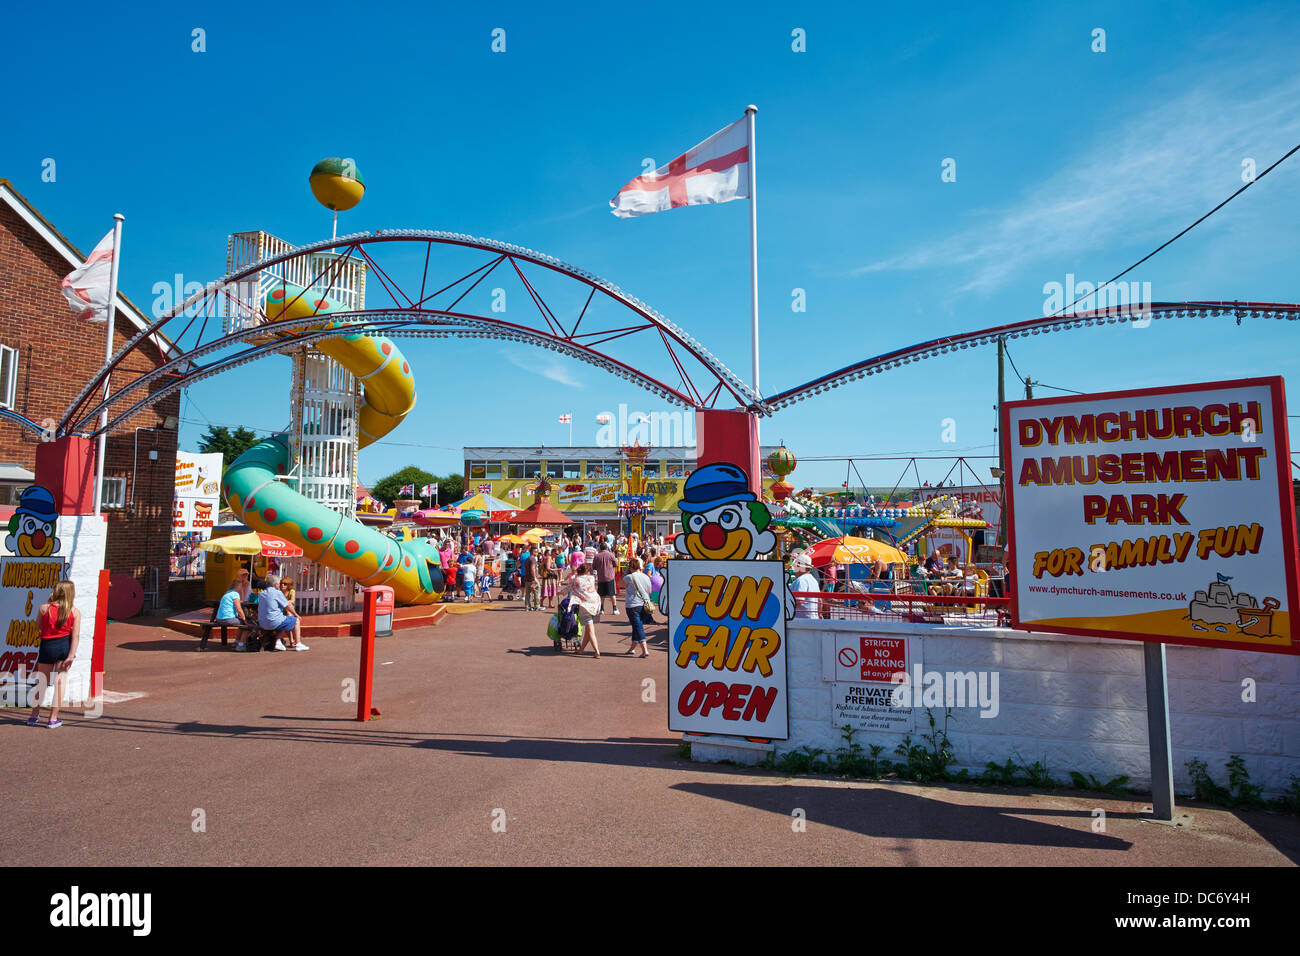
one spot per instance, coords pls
(1073, 703)
(81, 543)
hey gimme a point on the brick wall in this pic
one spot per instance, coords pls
(59, 354)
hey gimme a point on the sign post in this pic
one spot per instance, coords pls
(1162, 757)
(1160, 515)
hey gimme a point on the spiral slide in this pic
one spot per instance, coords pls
(411, 568)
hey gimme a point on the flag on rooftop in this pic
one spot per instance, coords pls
(717, 170)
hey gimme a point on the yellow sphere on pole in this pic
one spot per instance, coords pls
(337, 184)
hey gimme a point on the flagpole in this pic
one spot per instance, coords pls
(750, 112)
(118, 219)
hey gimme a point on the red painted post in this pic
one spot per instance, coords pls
(376, 620)
(729, 437)
(66, 468)
(101, 637)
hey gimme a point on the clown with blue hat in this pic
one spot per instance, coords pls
(31, 529)
(723, 520)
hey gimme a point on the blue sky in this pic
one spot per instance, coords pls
(1068, 162)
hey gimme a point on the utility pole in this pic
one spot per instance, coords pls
(1029, 387)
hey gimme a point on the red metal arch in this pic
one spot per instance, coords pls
(1039, 326)
(202, 354)
(194, 326)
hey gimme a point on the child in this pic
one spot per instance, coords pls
(469, 580)
(60, 633)
(485, 586)
(295, 643)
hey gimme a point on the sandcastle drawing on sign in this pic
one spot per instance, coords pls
(1220, 608)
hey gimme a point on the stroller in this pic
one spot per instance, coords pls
(563, 629)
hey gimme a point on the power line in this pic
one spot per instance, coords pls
(1120, 275)
(1007, 352)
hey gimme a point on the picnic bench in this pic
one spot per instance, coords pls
(206, 628)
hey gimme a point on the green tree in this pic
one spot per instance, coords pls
(388, 489)
(450, 488)
(231, 444)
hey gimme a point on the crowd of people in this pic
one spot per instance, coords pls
(939, 575)
(585, 570)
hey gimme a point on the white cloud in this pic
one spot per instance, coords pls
(1140, 178)
(547, 366)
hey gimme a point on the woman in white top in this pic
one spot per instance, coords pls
(584, 598)
(637, 604)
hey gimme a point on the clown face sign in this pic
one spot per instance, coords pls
(726, 613)
(27, 576)
(31, 529)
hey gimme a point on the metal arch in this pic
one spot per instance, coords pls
(727, 379)
(964, 340)
(298, 332)
(21, 421)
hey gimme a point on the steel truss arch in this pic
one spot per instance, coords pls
(413, 308)
(1039, 326)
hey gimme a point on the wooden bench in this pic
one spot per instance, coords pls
(206, 628)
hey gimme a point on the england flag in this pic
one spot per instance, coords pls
(566, 419)
(86, 287)
(428, 491)
(717, 170)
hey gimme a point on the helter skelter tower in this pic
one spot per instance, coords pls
(324, 397)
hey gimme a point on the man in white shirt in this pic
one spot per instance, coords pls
(806, 581)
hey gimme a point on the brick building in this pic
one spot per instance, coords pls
(47, 355)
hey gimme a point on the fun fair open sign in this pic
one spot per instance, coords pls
(1161, 514)
(727, 610)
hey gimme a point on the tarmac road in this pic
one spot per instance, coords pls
(482, 723)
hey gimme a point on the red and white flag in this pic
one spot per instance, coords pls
(407, 490)
(717, 170)
(86, 288)
(566, 419)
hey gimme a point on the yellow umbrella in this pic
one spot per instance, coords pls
(514, 539)
(533, 535)
(254, 542)
(851, 550)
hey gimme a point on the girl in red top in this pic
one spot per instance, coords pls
(60, 632)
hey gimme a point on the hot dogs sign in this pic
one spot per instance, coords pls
(727, 610)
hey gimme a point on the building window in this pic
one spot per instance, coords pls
(602, 469)
(565, 469)
(8, 376)
(515, 469)
(114, 492)
(532, 469)
(651, 468)
(680, 469)
(476, 470)
(484, 469)
(11, 494)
